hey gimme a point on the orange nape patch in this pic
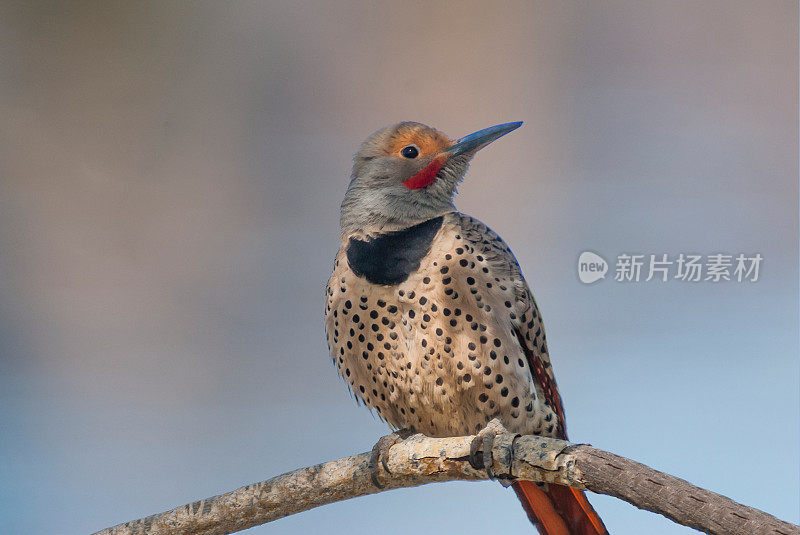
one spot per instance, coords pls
(428, 140)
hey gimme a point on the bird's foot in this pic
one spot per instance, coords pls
(380, 453)
(480, 449)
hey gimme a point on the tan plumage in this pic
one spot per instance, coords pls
(386, 343)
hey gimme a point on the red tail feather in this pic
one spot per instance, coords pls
(559, 510)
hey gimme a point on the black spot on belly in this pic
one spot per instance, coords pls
(391, 258)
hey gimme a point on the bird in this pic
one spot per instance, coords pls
(428, 317)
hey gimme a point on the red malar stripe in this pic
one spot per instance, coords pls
(426, 176)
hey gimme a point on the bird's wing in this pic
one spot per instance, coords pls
(553, 509)
(527, 320)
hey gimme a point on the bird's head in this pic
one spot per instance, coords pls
(407, 173)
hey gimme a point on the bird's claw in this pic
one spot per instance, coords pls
(480, 449)
(380, 453)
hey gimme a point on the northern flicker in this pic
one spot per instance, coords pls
(428, 317)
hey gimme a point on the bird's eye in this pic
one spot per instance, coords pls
(410, 151)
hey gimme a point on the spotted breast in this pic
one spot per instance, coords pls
(436, 330)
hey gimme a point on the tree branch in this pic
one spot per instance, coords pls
(419, 460)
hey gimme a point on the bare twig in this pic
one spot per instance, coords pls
(419, 460)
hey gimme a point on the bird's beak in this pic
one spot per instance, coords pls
(481, 138)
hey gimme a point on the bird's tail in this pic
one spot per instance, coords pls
(559, 510)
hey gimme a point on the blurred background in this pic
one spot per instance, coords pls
(170, 179)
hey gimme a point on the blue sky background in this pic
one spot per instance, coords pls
(170, 178)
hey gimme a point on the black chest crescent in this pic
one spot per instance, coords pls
(389, 259)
